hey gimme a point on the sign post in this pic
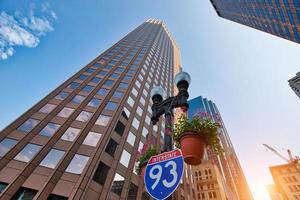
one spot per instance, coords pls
(163, 174)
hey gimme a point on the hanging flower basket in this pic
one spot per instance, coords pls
(192, 136)
(143, 161)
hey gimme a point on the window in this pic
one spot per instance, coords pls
(131, 138)
(73, 85)
(47, 108)
(94, 102)
(117, 184)
(87, 88)
(24, 194)
(92, 139)
(70, 134)
(62, 95)
(111, 147)
(109, 83)
(119, 69)
(135, 123)
(123, 85)
(134, 92)
(101, 173)
(50, 129)
(103, 120)
(130, 101)
(77, 164)
(84, 116)
(125, 158)
(78, 99)
(52, 158)
(139, 111)
(132, 194)
(120, 127)
(28, 152)
(111, 106)
(82, 77)
(102, 73)
(56, 197)
(6, 145)
(102, 91)
(118, 95)
(127, 113)
(2, 186)
(90, 70)
(65, 112)
(127, 78)
(28, 125)
(96, 80)
(145, 132)
(114, 75)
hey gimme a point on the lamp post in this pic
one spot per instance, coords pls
(165, 107)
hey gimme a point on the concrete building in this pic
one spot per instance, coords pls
(295, 84)
(228, 164)
(287, 180)
(209, 182)
(81, 140)
(274, 193)
(278, 17)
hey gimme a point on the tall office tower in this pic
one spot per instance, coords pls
(274, 192)
(228, 164)
(287, 180)
(277, 17)
(295, 84)
(81, 140)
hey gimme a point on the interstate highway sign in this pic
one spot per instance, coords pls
(163, 174)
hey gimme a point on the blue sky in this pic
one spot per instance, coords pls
(244, 71)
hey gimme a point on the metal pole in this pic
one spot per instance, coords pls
(168, 132)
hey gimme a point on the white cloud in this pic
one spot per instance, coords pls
(20, 30)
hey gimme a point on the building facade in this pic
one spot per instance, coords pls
(228, 164)
(81, 141)
(287, 180)
(295, 84)
(277, 17)
(209, 182)
(274, 193)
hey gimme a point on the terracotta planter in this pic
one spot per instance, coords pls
(192, 147)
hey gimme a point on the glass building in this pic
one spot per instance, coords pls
(277, 17)
(236, 187)
(295, 84)
(81, 141)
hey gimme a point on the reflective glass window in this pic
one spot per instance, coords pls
(92, 139)
(70, 134)
(82, 77)
(73, 85)
(131, 138)
(49, 129)
(78, 99)
(29, 151)
(103, 120)
(62, 95)
(96, 80)
(114, 75)
(111, 106)
(101, 173)
(111, 147)
(136, 123)
(109, 82)
(123, 85)
(125, 158)
(47, 108)
(88, 88)
(118, 95)
(103, 73)
(117, 185)
(28, 125)
(102, 91)
(52, 158)
(84, 116)
(90, 70)
(65, 112)
(94, 102)
(77, 164)
(6, 145)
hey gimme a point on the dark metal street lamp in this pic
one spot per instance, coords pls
(160, 106)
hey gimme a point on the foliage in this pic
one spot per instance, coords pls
(145, 157)
(200, 125)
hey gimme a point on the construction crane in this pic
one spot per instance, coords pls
(291, 158)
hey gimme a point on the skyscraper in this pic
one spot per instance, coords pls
(227, 164)
(277, 17)
(295, 84)
(81, 140)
